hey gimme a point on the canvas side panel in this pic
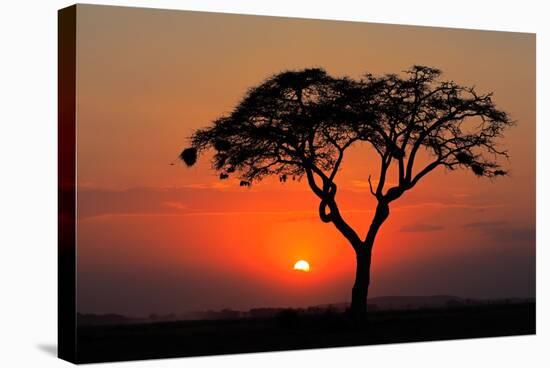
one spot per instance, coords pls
(66, 183)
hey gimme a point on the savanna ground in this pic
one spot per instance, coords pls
(290, 331)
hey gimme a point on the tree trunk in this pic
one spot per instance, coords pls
(360, 289)
(363, 252)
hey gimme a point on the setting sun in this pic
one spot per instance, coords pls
(301, 265)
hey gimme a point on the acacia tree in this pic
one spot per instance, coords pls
(300, 123)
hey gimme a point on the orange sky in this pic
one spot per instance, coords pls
(159, 238)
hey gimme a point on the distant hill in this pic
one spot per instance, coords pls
(105, 319)
(430, 301)
(406, 302)
(375, 304)
(415, 302)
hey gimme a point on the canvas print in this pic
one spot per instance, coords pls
(235, 183)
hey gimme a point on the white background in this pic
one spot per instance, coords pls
(28, 182)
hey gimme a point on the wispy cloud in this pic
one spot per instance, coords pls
(484, 224)
(418, 228)
(504, 232)
(522, 235)
(444, 205)
(212, 185)
(363, 185)
(176, 205)
(461, 195)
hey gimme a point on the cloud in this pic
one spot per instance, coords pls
(443, 205)
(192, 201)
(176, 205)
(363, 185)
(461, 195)
(418, 228)
(523, 235)
(213, 185)
(484, 224)
(503, 232)
(298, 217)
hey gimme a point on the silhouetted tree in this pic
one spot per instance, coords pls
(300, 123)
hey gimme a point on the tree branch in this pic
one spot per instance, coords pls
(327, 196)
(370, 187)
(423, 172)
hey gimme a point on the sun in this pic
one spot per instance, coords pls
(301, 265)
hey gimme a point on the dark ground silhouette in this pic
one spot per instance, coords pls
(289, 330)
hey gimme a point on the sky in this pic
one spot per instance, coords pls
(159, 238)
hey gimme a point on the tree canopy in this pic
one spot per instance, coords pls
(291, 121)
(300, 123)
(306, 118)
